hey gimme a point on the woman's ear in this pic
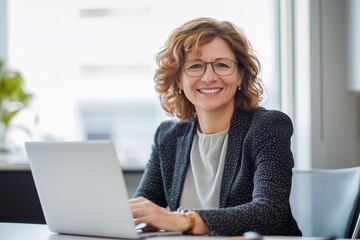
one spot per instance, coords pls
(240, 77)
(179, 84)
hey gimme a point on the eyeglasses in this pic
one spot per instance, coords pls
(197, 68)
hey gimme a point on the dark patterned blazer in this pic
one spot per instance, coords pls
(256, 182)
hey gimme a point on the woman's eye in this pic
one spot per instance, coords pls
(196, 66)
(221, 65)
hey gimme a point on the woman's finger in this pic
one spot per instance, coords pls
(137, 200)
(138, 212)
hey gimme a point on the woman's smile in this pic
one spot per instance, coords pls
(209, 91)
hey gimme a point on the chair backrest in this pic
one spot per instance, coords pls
(356, 233)
(323, 201)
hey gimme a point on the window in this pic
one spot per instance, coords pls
(90, 64)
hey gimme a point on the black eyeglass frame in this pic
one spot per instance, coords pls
(212, 66)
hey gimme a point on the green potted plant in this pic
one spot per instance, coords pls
(13, 99)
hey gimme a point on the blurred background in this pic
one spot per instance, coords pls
(89, 66)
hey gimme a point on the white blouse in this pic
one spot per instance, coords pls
(203, 178)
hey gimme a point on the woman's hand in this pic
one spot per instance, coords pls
(156, 217)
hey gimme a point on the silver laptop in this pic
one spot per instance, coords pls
(82, 190)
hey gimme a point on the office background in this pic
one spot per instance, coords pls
(315, 78)
(316, 74)
(308, 50)
(84, 88)
(90, 64)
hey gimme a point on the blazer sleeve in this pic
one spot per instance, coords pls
(266, 149)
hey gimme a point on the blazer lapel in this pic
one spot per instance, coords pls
(239, 126)
(182, 161)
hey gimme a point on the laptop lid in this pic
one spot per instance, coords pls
(81, 188)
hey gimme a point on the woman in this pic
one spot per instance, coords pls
(226, 161)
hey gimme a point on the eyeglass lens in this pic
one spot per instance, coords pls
(222, 67)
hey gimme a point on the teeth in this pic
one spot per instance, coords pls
(210, 90)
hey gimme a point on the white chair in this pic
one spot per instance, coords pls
(323, 201)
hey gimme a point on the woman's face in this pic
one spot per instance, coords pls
(211, 92)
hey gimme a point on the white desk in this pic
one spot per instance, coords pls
(19, 231)
(14, 162)
(18, 161)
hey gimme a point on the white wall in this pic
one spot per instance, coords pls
(353, 41)
(333, 112)
(3, 29)
(340, 107)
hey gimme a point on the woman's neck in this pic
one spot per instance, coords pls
(214, 122)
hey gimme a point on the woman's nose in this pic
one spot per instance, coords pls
(209, 74)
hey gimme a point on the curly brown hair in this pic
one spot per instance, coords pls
(188, 38)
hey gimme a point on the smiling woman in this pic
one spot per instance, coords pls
(226, 163)
(211, 93)
(80, 52)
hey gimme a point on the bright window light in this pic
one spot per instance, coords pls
(90, 64)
